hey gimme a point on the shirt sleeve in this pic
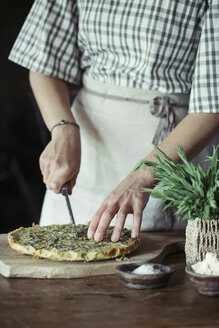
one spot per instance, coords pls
(205, 87)
(47, 42)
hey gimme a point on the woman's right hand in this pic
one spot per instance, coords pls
(60, 160)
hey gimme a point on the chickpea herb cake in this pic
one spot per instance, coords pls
(59, 242)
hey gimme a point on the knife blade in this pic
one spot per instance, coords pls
(64, 191)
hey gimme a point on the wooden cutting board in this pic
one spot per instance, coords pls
(154, 248)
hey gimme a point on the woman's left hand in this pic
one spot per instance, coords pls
(126, 198)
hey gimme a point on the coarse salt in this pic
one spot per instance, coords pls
(146, 269)
(209, 266)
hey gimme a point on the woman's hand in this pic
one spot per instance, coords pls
(60, 160)
(126, 198)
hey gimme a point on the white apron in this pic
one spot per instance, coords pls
(117, 126)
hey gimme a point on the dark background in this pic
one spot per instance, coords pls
(22, 133)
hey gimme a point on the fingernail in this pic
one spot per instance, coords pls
(114, 238)
(97, 236)
(90, 235)
(134, 234)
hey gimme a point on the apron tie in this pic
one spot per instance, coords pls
(161, 107)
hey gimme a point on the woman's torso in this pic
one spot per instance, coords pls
(133, 43)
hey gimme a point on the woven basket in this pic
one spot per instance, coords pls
(201, 237)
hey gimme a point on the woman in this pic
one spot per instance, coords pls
(149, 75)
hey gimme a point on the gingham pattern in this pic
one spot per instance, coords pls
(165, 45)
(205, 86)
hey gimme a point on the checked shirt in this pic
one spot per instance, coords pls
(169, 46)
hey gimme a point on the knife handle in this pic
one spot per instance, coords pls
(65, 189)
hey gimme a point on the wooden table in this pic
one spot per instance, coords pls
(104, 301)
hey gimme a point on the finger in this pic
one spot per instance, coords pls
(58, 176)
(41, 163)
(137, 221)
(71, 184)
(53, 186)
(120, 221)
(45, 175)
(104, 223)
(93, 224)
(45, 169)
(55, 181)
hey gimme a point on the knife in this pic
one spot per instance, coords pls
(64, 191)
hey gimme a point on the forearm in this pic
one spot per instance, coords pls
(60, 160)
(52, 97)
(193, 133)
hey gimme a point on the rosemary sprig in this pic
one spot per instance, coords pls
(193, 191)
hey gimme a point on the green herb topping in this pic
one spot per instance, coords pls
(63, 237)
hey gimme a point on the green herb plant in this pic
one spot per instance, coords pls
(188, 187)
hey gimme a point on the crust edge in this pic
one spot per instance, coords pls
(55, 254)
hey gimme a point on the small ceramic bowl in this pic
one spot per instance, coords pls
(206, 285)
(144, 281)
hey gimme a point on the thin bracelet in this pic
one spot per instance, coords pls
(63, 122)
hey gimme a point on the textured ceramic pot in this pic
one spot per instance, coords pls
(206, 285)
(144, 281)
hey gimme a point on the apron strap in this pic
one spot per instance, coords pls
(163, 107)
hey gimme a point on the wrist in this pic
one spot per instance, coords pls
(66, 125)
(148, 176)
(145, 174)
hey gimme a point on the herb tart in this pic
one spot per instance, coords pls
(59, 242)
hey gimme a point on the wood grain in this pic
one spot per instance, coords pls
(103, 301)
(154, 247)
